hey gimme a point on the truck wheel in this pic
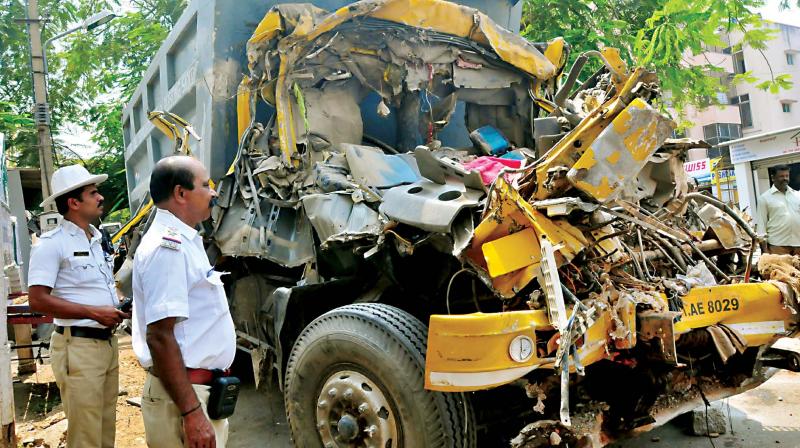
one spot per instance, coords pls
(355, 378)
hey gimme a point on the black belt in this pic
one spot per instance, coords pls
(88, 332)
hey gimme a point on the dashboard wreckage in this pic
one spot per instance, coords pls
(557, 273)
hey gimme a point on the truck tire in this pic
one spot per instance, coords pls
(355, 378)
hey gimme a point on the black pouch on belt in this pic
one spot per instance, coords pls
(223, 395)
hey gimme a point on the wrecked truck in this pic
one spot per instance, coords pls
(551, 280)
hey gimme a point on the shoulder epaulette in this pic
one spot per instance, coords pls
(171, 239)
(50, 233)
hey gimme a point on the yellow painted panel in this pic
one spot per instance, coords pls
(602, 190)
(613, 158)
(587, 161)
(435, 15)
(563, 153)
(512, 252)
(460, 21)
(515, 54)
(744, 305)
(269, 26)
(595, 341)
(620, 150)
(243, 107)
(478, 343)
(555, 51)
(622, 123)
(509, 213)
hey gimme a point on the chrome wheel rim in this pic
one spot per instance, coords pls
(352, 411)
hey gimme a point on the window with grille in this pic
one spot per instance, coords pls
(739, 66)
(744, 109)
(717, 133)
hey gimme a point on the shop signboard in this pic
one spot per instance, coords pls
(698, 169)
(763, 148)
(724, 176)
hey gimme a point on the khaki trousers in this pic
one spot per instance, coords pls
(163, 425)
(784, 250)
(87, 374)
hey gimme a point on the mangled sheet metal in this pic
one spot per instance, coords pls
(296, 29)
(429, 205)
(582, 258)
(336, 217)
(620, 151)
(315, 68)
(506, 243)
(372, 168)
(279, 234)
(723, 227)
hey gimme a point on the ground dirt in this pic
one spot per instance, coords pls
(40, 418)
(765, 416)
(40, 414)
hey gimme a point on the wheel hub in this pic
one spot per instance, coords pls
(347, 427)
(353, 412)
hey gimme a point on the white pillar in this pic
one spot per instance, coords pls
(8, 435)
(745, 187)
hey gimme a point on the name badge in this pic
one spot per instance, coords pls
(80, 254)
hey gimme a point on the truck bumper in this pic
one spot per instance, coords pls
(484, 350)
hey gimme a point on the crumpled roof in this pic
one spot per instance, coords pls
(294, 29)
(305, 22)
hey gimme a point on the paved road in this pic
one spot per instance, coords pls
(768, 416)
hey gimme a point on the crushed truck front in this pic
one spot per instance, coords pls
(527, 231)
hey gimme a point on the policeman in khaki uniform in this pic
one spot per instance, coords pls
(70, 279)
(182, 328)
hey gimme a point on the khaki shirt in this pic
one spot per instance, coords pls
(778, 217)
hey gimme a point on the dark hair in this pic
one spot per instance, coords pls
(168, 173)
(61, 202)
(777, 168)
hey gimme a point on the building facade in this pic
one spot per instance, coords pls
(751, 130)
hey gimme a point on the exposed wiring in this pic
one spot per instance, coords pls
(450, 284)
(707, 404)
(644, 260)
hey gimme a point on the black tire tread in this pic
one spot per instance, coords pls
(457, 429)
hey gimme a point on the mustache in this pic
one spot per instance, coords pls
(100, 203)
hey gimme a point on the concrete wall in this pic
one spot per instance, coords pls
(765, 106)
(16, 203)
(709, 115)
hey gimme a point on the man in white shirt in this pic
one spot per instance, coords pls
(778, 216)
(70, 278)
(182, 327)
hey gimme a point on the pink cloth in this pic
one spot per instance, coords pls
(489, 167)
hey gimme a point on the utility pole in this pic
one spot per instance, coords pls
(41, 109)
